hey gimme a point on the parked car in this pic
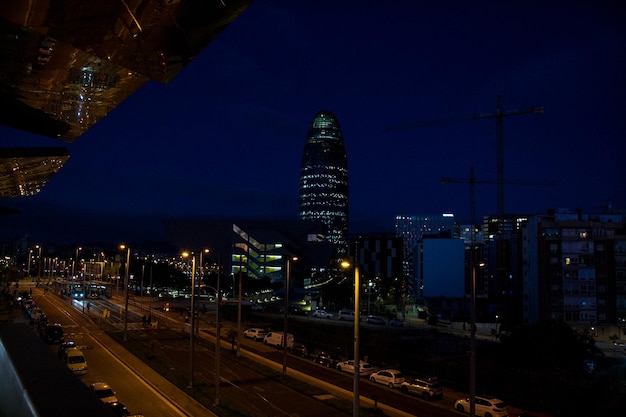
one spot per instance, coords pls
(29, 304)
(486, 406)
(297, 311)
(255, 333)
(104, 392)
(396, 322)
(348, 366)
(375, 320)
(390, 377)
(345, 314)
(323, 314)
(301, 350)
(119, 409)
(75, 361)
(52, 333)
(428, 388)
(63, 347)
(329, 360)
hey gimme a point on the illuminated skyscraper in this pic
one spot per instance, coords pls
(324, 180)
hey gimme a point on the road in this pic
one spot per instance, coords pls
(131, 389)
(263, 395)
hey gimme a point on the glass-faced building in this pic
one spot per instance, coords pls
(323, 193)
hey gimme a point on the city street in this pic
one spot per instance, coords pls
(144, 390)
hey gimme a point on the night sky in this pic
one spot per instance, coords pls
(225, 138)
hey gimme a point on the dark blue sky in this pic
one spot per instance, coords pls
(226, 136)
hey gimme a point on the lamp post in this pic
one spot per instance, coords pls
(369, 295)
(151, 292)
(286, 318)
(239, 302)
(472, 392)
(357, 354)
(122, 247)
(30, 254)
(201, 268)
(75, 261)
(239, 299)
(143, 270)
(38, 261)
(216, 401)
(193, 315)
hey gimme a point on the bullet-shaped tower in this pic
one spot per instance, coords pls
(323, 193)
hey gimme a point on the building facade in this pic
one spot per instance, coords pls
(323, 193)
(574, 268)
(378, 254)
(412, 229)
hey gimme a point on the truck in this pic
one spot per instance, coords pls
(276, 339)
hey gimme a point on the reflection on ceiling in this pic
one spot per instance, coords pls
(65, 64)
(25, 171)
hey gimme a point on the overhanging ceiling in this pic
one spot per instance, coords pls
(67, 63)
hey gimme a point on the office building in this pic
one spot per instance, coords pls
(412, 228)
(323, 195)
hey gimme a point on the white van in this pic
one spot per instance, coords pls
(75, 361)
(345, 314)
(276, 339)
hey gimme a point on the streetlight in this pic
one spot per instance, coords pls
(193, 314)
(472, 411)
(75, 261)
(287, 277)
(143, 270)
(357, 360)
(239, 299)
(38, 261)
(30, 254)
(216, 401)
(369, 295)
(201, 266)
(122, 247)
(239, 302)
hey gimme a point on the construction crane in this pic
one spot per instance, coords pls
(499, 115)
(501, 267)
(472, 181)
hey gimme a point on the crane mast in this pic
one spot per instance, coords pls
(499, 115)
